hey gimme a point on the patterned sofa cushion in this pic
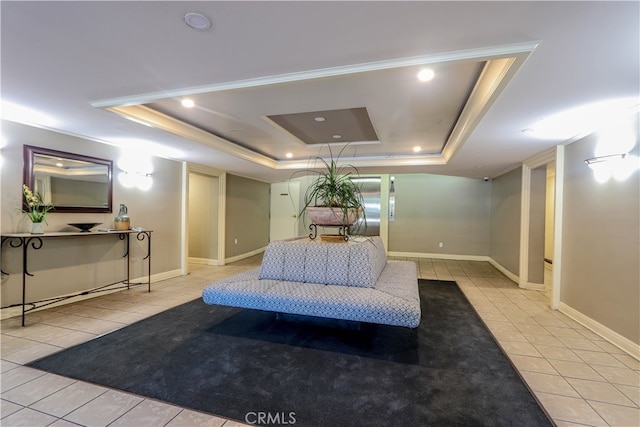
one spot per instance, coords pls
(393, 301)
(355, 263)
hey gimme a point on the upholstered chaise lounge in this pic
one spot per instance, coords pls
(348, 281)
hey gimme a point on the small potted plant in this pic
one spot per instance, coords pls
(36, 209)
(333, 198)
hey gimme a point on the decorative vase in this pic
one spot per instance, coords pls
(122, 221)
(37, 228)
(333, 216)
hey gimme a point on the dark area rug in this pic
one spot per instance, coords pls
(246, 364)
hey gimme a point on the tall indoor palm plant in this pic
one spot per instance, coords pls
(332, 198)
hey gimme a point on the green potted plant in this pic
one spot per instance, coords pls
(332, 198)
(36, 209)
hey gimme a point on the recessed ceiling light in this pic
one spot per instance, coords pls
(336, 136)
(417, 149)
(426, 75)
(289, 155)
(188, 103)
(197, 21)
(319, 119)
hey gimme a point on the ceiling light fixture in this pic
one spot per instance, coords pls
(319, 119)
(336, 136)
(289, 155)
(417, 149)
(197, 21)
(426, 75)
(188, 103)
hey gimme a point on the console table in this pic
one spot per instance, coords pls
(36, 241)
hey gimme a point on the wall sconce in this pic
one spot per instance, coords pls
(596, 162)
(619, 166)
(135, 171)
(141, 180)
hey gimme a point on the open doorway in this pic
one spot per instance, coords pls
(549, 227)
(541, 229)
(541, 222)
(203, 212)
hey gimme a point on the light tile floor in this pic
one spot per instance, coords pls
(579, 378)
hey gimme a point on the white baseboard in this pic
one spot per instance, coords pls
(246, 255)
(164, 275)
(613, 337)
(203, 261)
(534, 286)
(158, 276)
(513, 277)
(490, 260)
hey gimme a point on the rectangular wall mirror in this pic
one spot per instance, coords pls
(71, 182)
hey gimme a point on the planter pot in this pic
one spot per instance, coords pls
(37, 228)
(334, 238)
(333, 216)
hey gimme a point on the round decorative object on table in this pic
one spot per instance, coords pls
(37, 228)
(84, 227)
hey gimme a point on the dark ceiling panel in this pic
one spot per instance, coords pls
(321, 127)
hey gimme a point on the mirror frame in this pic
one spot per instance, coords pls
(27, 178)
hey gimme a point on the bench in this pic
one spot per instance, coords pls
(350, 281)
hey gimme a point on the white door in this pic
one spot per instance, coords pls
(285, 203)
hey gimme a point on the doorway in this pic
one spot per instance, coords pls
(541, 228)
(541, 222)
(285, 207)
(203, 234)
(549, 227)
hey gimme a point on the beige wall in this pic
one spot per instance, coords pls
(505, 220)
(601, 243)
(601, 227)
(203, 216)
(435, 208)
(247, 215)
(70, 264)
